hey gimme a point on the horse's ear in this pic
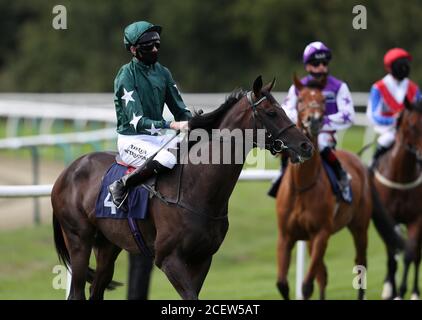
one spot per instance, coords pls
(257, 87)
(407, 104)
(299, 85)
(268, 87)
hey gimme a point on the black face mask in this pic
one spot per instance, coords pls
(319, 75)
(147, 57)
(400, 69)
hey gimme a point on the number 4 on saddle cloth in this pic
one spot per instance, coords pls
(137, 203)
(137, 200)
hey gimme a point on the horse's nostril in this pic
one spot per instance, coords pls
(306, 147)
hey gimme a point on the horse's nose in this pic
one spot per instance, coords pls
(306, 148)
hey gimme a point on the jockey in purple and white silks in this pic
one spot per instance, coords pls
(386, 99)
(339, 109)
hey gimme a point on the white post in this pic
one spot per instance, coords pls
(300, 268)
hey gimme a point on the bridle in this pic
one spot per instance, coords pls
(307, 124)
(276, 144)
(399, 185)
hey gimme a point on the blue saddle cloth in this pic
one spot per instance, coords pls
(137, 199)
(346, 195)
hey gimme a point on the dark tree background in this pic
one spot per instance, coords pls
(209, 46)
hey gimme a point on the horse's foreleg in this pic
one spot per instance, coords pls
(185, 277)
(389, 290)
(322, 277)
(409, 255)
(284, 248)
(106, 255)
(417, 261)
(319, 246)
(360, 239)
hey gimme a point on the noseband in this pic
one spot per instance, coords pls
(277, 145)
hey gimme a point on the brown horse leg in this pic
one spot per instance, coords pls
(284, 250)
(360, 238)
(186, 278)
(321, 277)
(80, 246)
(319, 245)
(106, 255)
(409, 255)
(417, 261)
(389, 290)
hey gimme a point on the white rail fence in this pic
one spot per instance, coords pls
(99, 107)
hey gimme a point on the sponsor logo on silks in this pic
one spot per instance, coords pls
(321, 55)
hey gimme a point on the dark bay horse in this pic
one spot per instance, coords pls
(184, 238)
(398, 179)
(306, 207)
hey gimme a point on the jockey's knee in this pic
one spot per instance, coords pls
(166, 159)
(386, 140)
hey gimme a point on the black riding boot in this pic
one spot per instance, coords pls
(379, 151)
(276, 184)
(119, 189)
(341, 174)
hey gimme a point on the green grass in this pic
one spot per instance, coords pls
(243, 268)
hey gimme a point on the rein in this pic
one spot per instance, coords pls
(277, 145)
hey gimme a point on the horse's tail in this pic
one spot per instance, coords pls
(64, 255)
(383, 222)
(60, 244)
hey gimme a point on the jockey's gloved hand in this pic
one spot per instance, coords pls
(180, 125)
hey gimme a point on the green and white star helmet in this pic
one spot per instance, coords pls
(135, 30)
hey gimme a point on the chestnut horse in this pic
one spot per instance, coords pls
(184, 236)
(306, 207)
(398, 179)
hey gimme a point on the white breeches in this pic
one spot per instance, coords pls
(135, 150)
(326, 139)
(387, 135)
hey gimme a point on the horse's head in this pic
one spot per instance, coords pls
(281, 133)
(310, 107)
(409, 128)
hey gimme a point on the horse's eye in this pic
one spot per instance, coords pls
(271, 113)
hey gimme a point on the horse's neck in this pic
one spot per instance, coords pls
(223, 177)
(400, 164)
(219, 179)
(305, 174)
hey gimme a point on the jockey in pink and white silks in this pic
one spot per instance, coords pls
(339, 108)
(386, 99)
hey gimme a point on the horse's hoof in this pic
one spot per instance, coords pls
(387, 291)
(414, 296)
(397, 298)
(284, 290)
(307, 289)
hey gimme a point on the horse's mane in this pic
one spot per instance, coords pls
(207, 121)
(417, 106)
(314, 84)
